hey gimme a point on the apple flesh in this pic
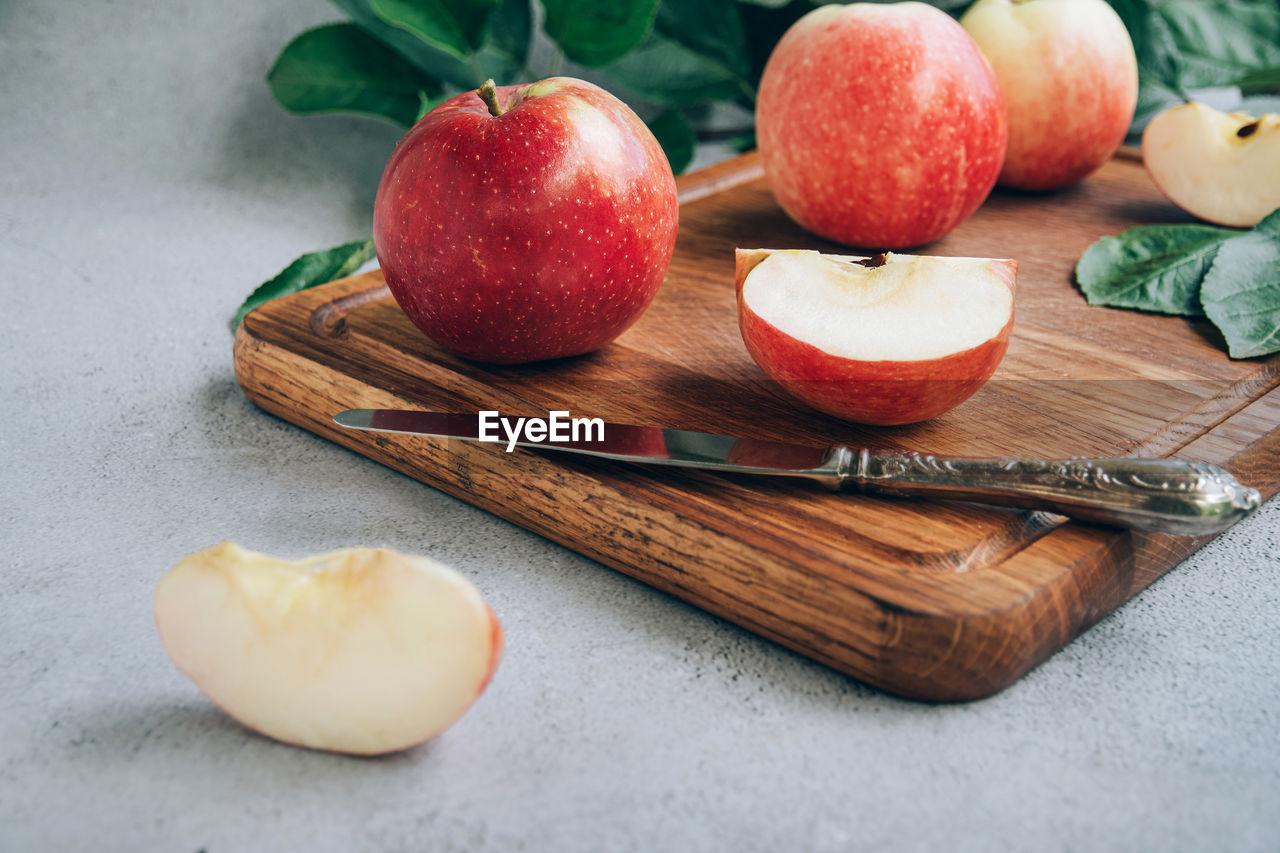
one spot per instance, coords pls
(1070, 82)
(528, 223)
(362, 651)
(893, 339)
(879, 125)
(1221, 167)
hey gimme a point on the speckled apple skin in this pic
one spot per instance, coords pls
(878, 393)
(541, 233)
(879, 126)
(1070, 83)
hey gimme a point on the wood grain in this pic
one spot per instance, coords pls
(932, 600)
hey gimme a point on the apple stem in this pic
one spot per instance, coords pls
(489, 95)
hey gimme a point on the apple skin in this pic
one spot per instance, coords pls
(540, 233)
(879, 126)
(1070, 82)
(876, 393)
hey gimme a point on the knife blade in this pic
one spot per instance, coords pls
(1174, 496)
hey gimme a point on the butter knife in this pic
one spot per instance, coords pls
(1174, 496)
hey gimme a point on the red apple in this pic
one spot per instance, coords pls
(1070, 83)
(893, 339)
(526, 222)
(879, 125)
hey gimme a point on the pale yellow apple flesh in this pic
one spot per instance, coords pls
(886, 340)
(362, 650)
(1221, 167)
(908, 309)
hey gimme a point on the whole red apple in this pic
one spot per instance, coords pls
(523, 223)
(893, 339)
(879, 125)
(1070, 83)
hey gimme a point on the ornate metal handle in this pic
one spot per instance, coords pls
(1165, 495)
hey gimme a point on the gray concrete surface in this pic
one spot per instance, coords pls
(147, 183)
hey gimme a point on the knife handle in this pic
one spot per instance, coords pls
(1162, 495)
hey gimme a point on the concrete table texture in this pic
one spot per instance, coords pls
(147, 183)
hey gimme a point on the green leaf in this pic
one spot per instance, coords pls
(1134, 15)
(426, 104)
(742, 142)
(696, 53)
(712, 28)
(308, 271)
(595, 33)
(456, 27)
(667, 73)
(1188, 44)
(433, 61)
(340, 68)
(1261, 81)
(1220, 42)
(1241, 293)
(1184, 45)
(1151, 267)
(764, 26)
(507, 50)
(1230, 276)
(675, 135)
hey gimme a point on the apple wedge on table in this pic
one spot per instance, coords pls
(891, 339)
(362, 650)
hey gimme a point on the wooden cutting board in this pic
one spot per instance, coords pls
(941, 601)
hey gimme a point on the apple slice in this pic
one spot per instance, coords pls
(1221, 167)
(892, 339)
(362, 650)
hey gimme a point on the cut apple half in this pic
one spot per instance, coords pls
(362, 650)
(891, 339)
(1221, 167)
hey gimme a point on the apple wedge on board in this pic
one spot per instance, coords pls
(1221, 167)
(891, 339)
